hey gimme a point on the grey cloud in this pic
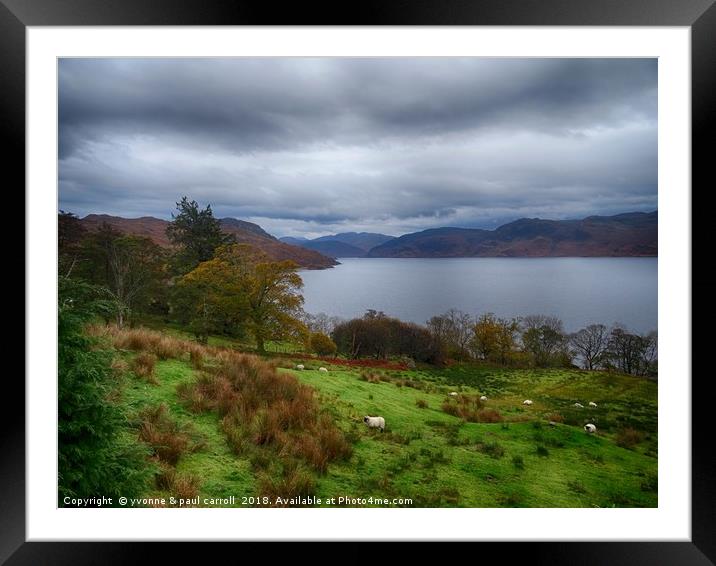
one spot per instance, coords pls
(310, 145)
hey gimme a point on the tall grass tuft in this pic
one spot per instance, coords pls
(143, 366)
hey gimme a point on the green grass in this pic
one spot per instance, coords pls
(436, 459)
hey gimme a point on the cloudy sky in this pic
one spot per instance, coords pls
(313, 146)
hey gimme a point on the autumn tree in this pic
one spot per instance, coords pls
(244, 285)
(494, 338)
(196, 235)
(322, 344)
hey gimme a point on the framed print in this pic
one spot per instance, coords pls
(407, 277)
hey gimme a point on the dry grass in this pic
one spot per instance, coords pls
(470, 409)
(263, 408)
(168, 440)
(143, 366)
(629, 437)
(295, 481)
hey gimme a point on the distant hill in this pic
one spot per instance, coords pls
(245, 233)
(362, 240)
(333, 248)
(347, 244)
(631, 234)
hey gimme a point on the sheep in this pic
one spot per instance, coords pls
(300, 366)
(592, 404)
(552, 423)
(527, 402)
(483, 398)
(323, 369)
(453, 394)
(375, 422)
(590, 428)
(579, 406)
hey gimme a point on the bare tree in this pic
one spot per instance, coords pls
(591, 344)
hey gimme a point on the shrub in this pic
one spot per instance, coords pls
(322, 344)
(489, 416)
(492, 449)
(555, 418)
(94, 457)
(185, 486)
(629, 437)
(518, 462)
(168, 440)
(421, 404)
(295, 481)
(542, 451)
(143, 366)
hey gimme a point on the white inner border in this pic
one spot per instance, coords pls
(670, 521)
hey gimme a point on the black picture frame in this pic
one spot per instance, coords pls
(699, 15)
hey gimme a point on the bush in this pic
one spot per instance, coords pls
(492, 449)
(322, 344)
(542, 451)
(518, 462)
(421, 404)
(629, 437)
(168, 440)
(95, 457)
(143, 366)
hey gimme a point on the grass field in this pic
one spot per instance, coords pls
(426, 455)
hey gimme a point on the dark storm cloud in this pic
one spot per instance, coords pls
(314, 145)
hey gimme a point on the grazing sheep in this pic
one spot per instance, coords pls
(527, 402)
(590, 428)
(579, 406)
(552, 423)
(323, 369)
(453, 394)
(375, 422)
(592, 404)
(483, 398)
(300, 366)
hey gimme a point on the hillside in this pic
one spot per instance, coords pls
(426, 454)
(245, 233)
(624, 235)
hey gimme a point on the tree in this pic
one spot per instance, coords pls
(69, 237)
(136, 266)
(543, 337)
(591, 345)
(381, 336)
(130, 267)
(94, 455)
(248, 289)
(196, 234)
(633, 353)
(322, 344)
(494, 338)
(321, 322)
(454, 329)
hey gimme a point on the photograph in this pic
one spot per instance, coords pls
(357, 282)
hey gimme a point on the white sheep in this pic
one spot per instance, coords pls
(323, 369)
(527, 402)
(592, 404)
(483, 398)
(579, 406)
(590, 428)
(375, 422)
(453, 394)
(300, 366)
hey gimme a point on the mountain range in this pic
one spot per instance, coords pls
(346, 244)
(631, 234)
(623, 235)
